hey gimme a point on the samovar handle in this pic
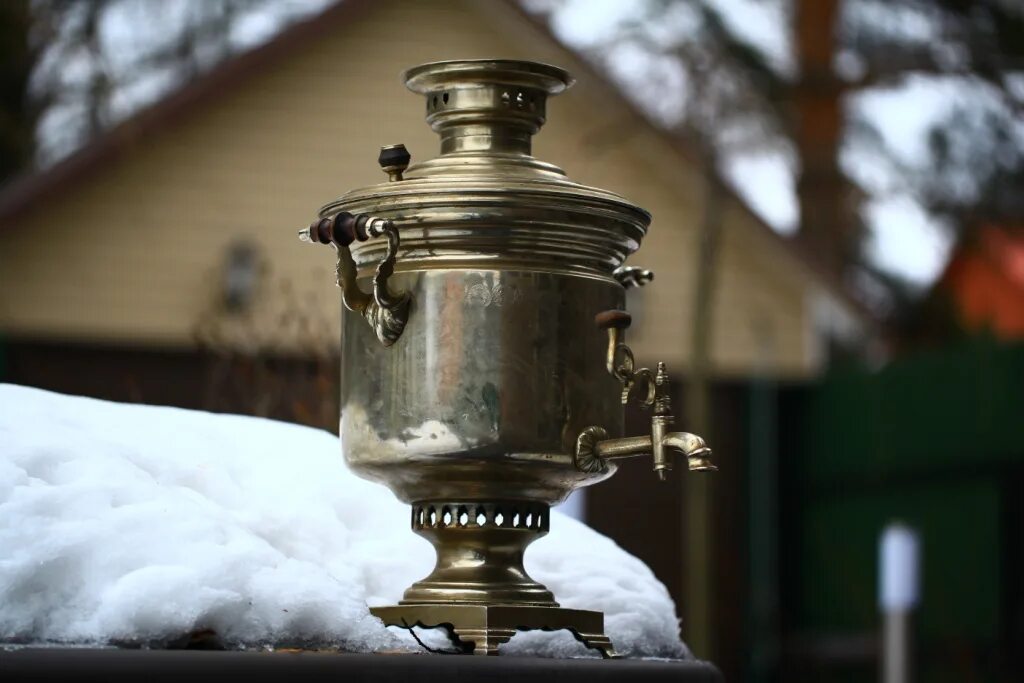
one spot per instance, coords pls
(385, 311)
(632, 276)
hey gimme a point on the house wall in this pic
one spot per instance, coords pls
(133, 254)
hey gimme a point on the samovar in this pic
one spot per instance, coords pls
(483, 365)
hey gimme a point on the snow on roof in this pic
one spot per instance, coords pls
(131, 523)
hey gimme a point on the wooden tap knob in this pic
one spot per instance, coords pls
(613, 319)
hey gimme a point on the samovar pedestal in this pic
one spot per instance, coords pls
(479, 590)
(482, 628)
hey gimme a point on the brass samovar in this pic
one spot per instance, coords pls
(483, 367)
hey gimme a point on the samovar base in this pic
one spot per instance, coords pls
(479, 590)
(480, 629)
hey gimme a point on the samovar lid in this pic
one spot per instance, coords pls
(434, 76)
(486, 112)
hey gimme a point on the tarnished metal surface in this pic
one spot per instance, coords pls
(483, 395)
(478, 392)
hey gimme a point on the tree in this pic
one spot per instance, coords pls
(973, 54)
(17, 118)
(736, 98)
(102, 60)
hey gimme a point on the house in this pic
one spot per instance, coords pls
(119, 264)
(125, 244)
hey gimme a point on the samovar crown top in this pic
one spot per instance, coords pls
(436, 76)
(486, 200)
(490, 105)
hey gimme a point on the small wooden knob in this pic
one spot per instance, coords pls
(394, 159)
(613, 319)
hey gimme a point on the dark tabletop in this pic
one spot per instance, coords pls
(184, 666)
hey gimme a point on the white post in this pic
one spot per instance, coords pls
(898, 594)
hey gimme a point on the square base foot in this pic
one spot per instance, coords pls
(482, 628)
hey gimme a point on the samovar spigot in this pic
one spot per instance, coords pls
(593, 446)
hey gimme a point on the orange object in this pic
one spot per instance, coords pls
(985, 281)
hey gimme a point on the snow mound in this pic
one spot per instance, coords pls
(131, 523)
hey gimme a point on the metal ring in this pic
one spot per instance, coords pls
(624, 369)
(645, 375)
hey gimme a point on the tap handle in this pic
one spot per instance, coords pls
(619, 359)
(613, 320)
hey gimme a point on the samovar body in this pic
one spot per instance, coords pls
(474, 383)
(483, 396)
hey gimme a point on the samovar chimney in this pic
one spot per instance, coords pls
(486, 106)
(484, 365)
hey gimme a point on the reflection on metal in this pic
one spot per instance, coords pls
(492, 375)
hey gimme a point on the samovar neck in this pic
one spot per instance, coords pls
(486, 106)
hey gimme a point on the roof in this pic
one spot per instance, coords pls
(27, 191)
(24, 192)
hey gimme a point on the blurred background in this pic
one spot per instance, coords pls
(838, 198)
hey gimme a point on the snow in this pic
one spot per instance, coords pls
(124, 523)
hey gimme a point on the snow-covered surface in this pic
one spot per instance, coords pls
(136, 523)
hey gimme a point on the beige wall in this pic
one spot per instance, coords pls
(132, 254)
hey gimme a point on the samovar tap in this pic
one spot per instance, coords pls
(594, 447)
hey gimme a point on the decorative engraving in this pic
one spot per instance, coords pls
(483, 294)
